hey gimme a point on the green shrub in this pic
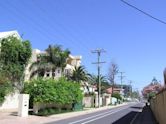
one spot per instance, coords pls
(53, 91)
(43, 112)
(5, 89)
(50, 111)
(117, 95)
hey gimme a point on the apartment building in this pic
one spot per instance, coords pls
(71, 61)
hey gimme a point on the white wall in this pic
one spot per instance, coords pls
(11, 102)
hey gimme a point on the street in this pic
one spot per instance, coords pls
(122, 115)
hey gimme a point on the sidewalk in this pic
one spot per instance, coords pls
(10, 117)
(145, 117)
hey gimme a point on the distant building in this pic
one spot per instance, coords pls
(72, 61)
(116, 90)
(127, 89)
(11, 101)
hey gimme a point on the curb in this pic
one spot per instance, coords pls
(79, 113)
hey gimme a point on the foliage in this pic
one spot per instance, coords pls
(51, 111)
(117, 95)
(14, 55)
(93, 79)
(55, 57)
(5, 89)
(3, 78)
(58, 55)
(151, 95)
(153, 88)
(135, 94)
(52, 91)
(113, 71)
(79, 74)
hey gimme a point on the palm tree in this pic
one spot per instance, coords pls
(79, 74)
(93, 79)
(58, 56)
(54, 58)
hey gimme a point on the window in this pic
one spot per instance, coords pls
(59, 71)
(47, 75)
(67, 71)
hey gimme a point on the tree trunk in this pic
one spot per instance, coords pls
(113, 85)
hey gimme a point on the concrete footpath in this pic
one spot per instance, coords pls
(10, 117)
(145, 117)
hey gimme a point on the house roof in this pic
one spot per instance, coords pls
(109, 90)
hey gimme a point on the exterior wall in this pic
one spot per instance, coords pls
(88, 101)
(11, 102)
(114, 100)
(106, 99)
(158, 106)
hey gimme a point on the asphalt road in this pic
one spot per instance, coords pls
(121, 115)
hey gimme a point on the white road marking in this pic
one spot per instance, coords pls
(89, 117)
(134, 118)
(103, 116)
(95, 116)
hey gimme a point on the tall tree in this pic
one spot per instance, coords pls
(79, 74)
(93, 79)
(113, 71)
(14, 54)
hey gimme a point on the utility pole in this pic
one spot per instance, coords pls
(121, 78)
(130, 82)
(98, 51)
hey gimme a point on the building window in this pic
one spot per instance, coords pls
(59, 71)
(67, 71)
(47, 75)
(53, 74)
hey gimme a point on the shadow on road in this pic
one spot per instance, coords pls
(126, 119)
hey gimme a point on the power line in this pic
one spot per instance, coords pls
(14, 10)
(145, 13)
(98, 51)
(32, 21)
(63, 29)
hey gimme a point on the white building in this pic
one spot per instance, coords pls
(72, 61)
(11, 101)
(9, 33)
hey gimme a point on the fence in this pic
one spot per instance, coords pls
(158, 106)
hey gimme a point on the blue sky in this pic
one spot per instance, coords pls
(133, 40)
